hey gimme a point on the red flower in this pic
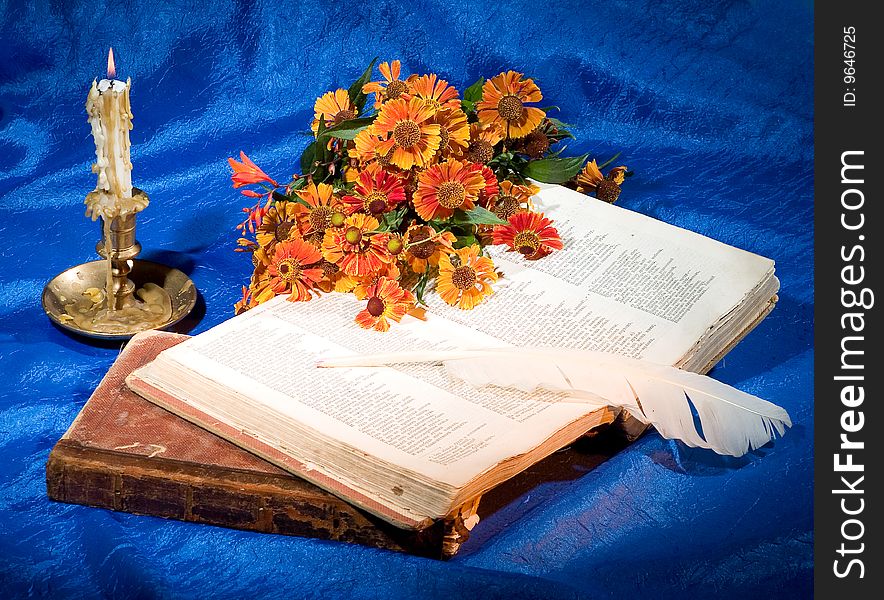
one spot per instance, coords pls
(530, 234)
(376, 192)
(247, 172)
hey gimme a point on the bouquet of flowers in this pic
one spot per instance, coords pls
(401, 195)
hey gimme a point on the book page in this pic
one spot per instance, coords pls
(414, 416)
(624, 283)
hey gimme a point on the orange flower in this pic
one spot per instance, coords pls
(483, 138)
(247, 172)
(432, 90)
(424, 246)
(361, 289)
(503, 104)
(334, 107)
(294, 269)
(530, 234)
(390, 88)
(512, 199)
(279, 222)
(246, 303)
(376, 192)
(454, 132)
(404, 128)
(445, 187)
(386, 302)
(491, 186)
(317, 217)
(354, 248)
(605, 188)
(465, 278)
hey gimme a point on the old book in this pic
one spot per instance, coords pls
(127, 454)
(412, 446)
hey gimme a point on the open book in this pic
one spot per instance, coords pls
(407, 442)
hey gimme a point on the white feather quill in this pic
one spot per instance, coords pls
(732, 422)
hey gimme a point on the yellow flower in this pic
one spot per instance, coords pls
(432, 90)
(503, 104)
(334, 107)
(405, 129)
(279, 223)
(317, 217)
(424, 246)
(465, 278)
(390, 88)
(606, 188)
(483, 138)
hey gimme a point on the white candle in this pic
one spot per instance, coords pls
(110, 116)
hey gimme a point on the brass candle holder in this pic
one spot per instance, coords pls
(118, 296)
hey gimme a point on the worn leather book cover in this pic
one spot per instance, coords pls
(125, 453)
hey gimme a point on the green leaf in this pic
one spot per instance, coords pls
(549, 108)
(467, 107)
(474, 92)
(477, 216)
(554, 170)
(465, 241)
(355, 90)
(559, 124)
(392, 220)
(421, 287)
(346, 130)
(307, 158)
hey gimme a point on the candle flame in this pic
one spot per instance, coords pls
(111, 67)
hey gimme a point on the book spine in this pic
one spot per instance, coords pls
(240, 500)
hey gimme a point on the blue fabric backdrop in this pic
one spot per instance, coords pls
(711, 104)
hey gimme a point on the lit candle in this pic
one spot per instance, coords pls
(110, 116)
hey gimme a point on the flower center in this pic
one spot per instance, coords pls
(526, 242)
(385, 159)
(375, 203)
(394, 245)
(510, 108)
(451, 194)
(329, 268)
(375, 306)
(289, 269)
(608, 191)
(464, 277)
(407, 133)
(444, 136)
(282, 230)
(481, 151)
(353, 235)
(395, 89)
(421, 249)
(320, 217)
(344, 115)
(506, 206)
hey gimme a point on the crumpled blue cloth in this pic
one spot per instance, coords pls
(711, 105)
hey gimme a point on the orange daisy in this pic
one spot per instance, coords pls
(465, 278)
(483, 138)
(425, 246)
(247, 172)
(445, 187)
(354, 248)
(246, 303)
(279, 222)
(334, 107)
(294, 269)
(432, 90)
(404, 128)
(606, 188)
(454, 132)
(530, 234)
(361, 289)
(512, 199)
(376, 192)
(387, 301)
(503, 104)
(322, 205)
(391, 87)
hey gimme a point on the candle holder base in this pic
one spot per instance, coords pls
(73, 298)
